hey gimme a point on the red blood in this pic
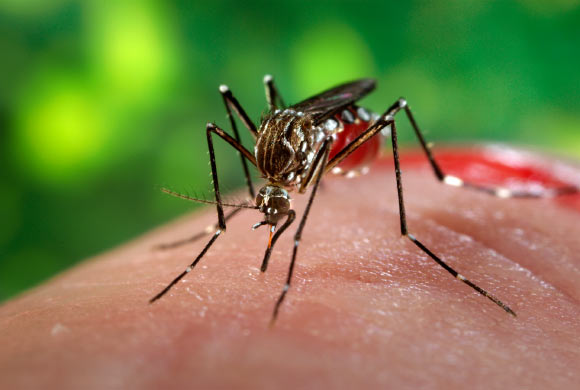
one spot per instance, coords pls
(511, 169)
(364, 155)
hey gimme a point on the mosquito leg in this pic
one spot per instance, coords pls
(381, 123)
(405, 230)
(318, 165)
(221, 224)
(230, 100)
(441, 176)
(211, 128)
(189, 268)
(376, 127)
(501, 192)
(289, 220)
(272, 94)
(208, 230)
(245, 154)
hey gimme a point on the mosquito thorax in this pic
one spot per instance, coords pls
(274, 202)
(286, 144)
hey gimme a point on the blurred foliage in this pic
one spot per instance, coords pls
(103, 102)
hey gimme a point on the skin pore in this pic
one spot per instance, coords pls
(367, 309)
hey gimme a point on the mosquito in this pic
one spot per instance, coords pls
(296, 146)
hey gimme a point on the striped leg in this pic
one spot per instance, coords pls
(272, 95)
(318, 166)
(221, 224)
(229, 101)
(388, 120)
(501, 192)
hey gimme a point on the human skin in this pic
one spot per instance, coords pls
(367, 309)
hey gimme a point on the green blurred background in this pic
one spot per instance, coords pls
(103, 102)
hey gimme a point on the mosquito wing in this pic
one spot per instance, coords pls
(327, 103)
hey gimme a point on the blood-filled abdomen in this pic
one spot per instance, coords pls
(353, 121)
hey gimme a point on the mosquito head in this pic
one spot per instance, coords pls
(274, 202)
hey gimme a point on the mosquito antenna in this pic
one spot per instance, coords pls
(187, 197)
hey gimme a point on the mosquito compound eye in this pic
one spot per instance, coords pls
(273, 201)
(279, 205)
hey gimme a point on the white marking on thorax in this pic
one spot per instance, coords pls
(266, 125)
(289, 123)
(299, 132)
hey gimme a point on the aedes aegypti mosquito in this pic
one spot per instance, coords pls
(296, 146)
